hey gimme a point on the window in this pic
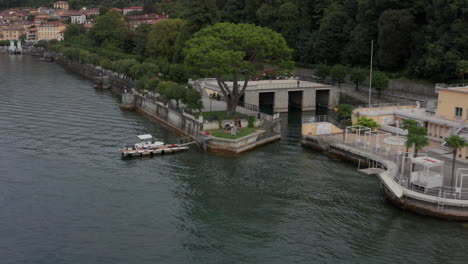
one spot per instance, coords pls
(458, 111)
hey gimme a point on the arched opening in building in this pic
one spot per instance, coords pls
(295, 101)
(266, 102)
(322, 99)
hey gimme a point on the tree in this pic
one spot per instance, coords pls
(235, 49)
(109, 28)
(332, 34)
(234, 11)
(148, 7)
(166, 91)
(140, 39)
(379, 82)
(409, 125)
(358, 75)
(139, 70)
(123, 66)
(178, 73)
(345, 111)
(338, 73)
(162, 38)
(455, 142)
(322, 71)
(462, 69)
(201, 13)
(284, 18)
(395, 38)
(192, 99)
(419, 142)
(178, 94)
(367, 122)
(73, 30)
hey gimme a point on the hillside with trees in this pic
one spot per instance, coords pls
(419, 39)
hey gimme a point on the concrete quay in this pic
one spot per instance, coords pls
(439, 202)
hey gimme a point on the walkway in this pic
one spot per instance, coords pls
(434, 150)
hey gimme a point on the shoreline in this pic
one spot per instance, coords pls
(178, 121)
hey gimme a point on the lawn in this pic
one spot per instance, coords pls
(241, 132)
(221, 115)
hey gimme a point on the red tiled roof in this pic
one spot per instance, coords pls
(134, 7)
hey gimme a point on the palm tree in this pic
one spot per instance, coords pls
(419, 141)
(409, 125)
(455, 142)
(409, 144)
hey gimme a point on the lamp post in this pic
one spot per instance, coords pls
(370, 72)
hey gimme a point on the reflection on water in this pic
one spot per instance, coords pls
(67, 197)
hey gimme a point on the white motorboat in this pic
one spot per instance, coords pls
(149, 147)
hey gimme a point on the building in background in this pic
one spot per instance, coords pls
(78, 19)
(91, 12)
(116, 9)
(132, 9)
(150, 19)
(61, 5)
(31, 34)
(43, 10)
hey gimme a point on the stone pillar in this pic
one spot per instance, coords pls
(281, 101)
(308, 100)
(128, 101)
(251, 98)
(334, 99)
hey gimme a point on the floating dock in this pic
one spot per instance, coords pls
(151, 152)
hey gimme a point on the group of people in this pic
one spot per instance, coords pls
(233, 124)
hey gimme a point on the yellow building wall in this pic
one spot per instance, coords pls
(311, 129)
(354, 119)
(448, 100)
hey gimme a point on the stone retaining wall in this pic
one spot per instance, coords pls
(182, 122)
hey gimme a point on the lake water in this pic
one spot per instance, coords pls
(66, 196)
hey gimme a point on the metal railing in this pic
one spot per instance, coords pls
(385, 105)
(402, 177)
(320, 118)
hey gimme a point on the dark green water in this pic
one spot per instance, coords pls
(66, 196)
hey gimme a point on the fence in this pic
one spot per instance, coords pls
(402, 177)
(320, 118)
(184, 122)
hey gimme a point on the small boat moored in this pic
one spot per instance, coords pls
(149, 147)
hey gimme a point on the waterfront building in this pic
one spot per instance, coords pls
(279, 95)
(132, 9)
(78, 19)
(31, 34)
(450, 117)
(53, 30)
(12, 32)
(61, 5)
(150, 19)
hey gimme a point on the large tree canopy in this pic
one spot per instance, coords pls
(235, 49)
(111, 28)
(163, 37)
